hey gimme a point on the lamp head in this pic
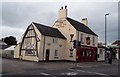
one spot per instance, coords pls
(107, 14)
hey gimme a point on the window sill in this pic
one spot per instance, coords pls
(56, 57)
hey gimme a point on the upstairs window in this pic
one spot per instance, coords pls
(93, 40)
(88, 40)
(55, 40)
(82, 39)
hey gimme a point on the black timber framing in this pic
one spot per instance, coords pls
(36, 40)
(29, 37)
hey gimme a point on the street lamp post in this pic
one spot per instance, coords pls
(106, 37)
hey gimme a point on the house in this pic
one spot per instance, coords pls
(115, 46)
(43, 43)
(17, 51)
(3, 46)
(101, 52)
(76, 30)
(8, 52)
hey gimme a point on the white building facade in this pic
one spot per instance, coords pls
(101, 52)
(75, 30)
(43, 43)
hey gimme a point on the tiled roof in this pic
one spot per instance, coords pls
(49, 31)
(80, 27)
(117, 42)
(3, 45)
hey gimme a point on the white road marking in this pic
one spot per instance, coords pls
(69, 73)
(45, 73)
(81, 70)
(99, 73)
(84, 66)
(91, 72)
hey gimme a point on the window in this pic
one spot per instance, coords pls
(85, 53)
(101, 51)
(56, 53)
(55, 40)
(30, 52)
(82, 53)
(82, 40)
(87, 40)
(71, 53)
(89, 53)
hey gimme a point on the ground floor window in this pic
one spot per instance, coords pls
(71, 53)
(56, 54)
(30, 52)
(86, 53)
(89, 53)
(82, 53)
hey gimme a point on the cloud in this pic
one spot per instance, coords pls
(10, 31)
(19, 15)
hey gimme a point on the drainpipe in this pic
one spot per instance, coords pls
(43, 47)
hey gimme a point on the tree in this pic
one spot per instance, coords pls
(10, 40)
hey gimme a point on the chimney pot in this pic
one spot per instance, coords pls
(62, 7)
(65, 6)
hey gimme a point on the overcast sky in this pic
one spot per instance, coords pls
(16, 16)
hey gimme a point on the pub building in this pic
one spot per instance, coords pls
(55, 43)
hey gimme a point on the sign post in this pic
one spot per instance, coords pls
(76, 43)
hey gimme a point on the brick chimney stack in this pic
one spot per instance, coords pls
(62, 12)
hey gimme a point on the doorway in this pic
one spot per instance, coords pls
(47, 55)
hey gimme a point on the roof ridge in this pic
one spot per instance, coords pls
(78, 22)
(44, 25)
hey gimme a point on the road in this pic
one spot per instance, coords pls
(59, 68)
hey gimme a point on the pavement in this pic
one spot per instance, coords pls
(59, 68)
